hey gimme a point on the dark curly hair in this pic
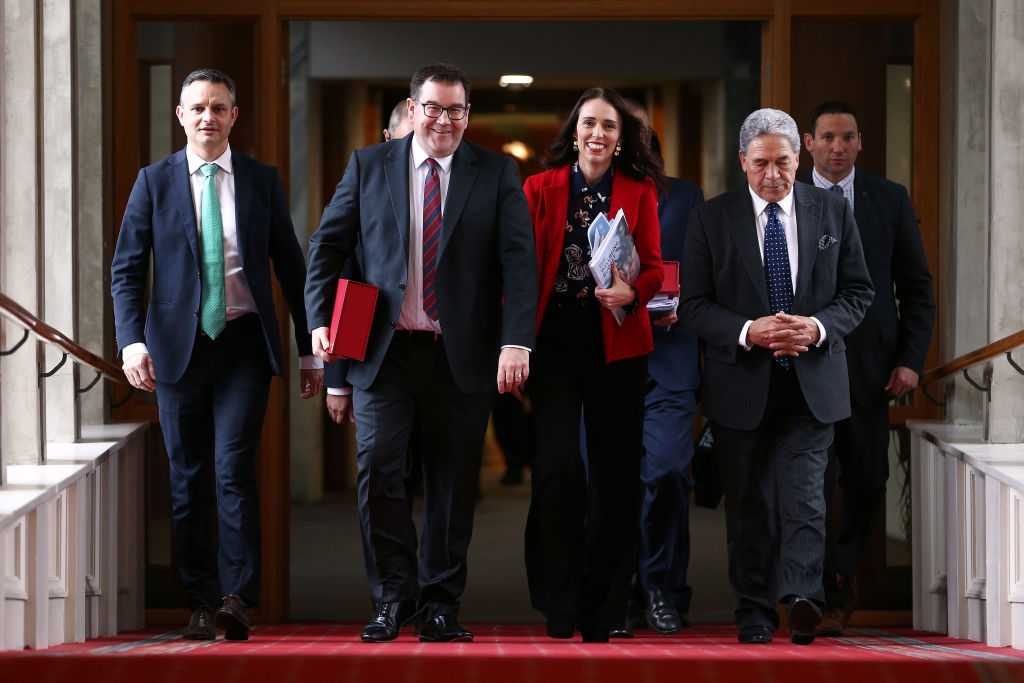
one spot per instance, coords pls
(635, 159)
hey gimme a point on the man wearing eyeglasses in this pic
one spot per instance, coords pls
(446, 237)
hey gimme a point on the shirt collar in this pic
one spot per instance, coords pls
(195, 161)
(578, 184)
(822, 181)
(419, 157)
(785, 204)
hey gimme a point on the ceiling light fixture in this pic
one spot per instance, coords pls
(515, 79)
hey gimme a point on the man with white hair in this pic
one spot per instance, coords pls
(772, 279)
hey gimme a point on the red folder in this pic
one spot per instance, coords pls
(670, 285)
(352, 317)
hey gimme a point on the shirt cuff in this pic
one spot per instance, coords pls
(310, 362)
(822, 337)
(339, 391)
(743, 334)
(134, 350)
(517, 346)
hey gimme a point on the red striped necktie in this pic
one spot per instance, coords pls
(431, 235)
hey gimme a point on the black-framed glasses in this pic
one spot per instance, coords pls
(456, 112)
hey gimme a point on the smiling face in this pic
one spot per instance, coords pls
(439, 137)
(834, 145)
(770, 164)
(207, 115)
(598, 129)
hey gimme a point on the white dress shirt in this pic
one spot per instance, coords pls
(238, 298)
(787, 217)
(412, 315)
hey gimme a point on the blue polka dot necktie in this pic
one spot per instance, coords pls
(212, 304)
(776, 270)
(431, 236)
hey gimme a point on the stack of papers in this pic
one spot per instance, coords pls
(611, 244)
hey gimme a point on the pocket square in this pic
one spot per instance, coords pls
(827, 241)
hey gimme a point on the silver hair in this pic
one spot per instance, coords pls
(400, 112)
(769, 122)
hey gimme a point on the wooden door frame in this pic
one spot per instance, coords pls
(271, 18)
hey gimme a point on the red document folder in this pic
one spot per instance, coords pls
(350, 322)
(670, 285)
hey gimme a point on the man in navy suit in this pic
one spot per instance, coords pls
(670, 408)
(212, 220)
(773, 279)
(445, 235)
(885, 353)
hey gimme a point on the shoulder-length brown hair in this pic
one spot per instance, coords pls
(635, 159)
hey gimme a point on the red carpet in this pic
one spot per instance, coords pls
(332, 652)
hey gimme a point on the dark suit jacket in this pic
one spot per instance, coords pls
(675, 363)
(897, 327)
(723, 286)
(160, 219)
(485, 254)
(548, 196)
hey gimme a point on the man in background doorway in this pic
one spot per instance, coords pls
(399, 123)
(885, 353)
(339, 409)
(670, 407)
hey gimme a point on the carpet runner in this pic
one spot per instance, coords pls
(519, 653)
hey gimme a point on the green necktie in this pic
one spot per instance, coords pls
(212, 310)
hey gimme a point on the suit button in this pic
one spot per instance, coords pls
(195, 313)
(401, 286)
(394, 324)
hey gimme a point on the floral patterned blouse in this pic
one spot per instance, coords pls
(574, 278)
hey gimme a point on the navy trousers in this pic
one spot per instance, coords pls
(211, 419)
(664, 547)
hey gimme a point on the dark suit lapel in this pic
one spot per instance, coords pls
(808, 224)
(742, 226)
(396, 170)
(181, 187)
(460, 184)
(863, 207)
(243, 200)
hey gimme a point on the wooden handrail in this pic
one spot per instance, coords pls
(11, 310)
(974, 357)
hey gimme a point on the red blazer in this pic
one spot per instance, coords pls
(548, 196)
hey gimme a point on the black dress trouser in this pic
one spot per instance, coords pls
(582, 526)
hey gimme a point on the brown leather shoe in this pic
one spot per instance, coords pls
(233, 619)
(200, 625)
(831, 625)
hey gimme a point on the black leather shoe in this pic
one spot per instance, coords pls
(444, 628)
(755, 635)
(804, 617)
(200, 625)
(388, 619)
(626, 631)
(561, 626)
(233, 619)
(662, 615)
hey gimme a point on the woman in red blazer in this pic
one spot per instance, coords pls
(583, 516)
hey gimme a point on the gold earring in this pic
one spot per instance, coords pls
(575, 146)
(618, 148)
